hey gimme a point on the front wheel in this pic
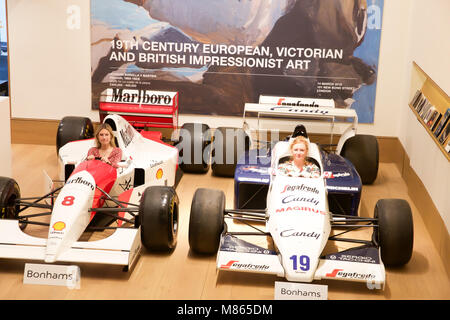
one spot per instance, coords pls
(395, 232)
(158, 218)
(206, 220)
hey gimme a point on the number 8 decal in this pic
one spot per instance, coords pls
(68, 201)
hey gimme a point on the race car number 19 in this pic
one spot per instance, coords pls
(303, 261)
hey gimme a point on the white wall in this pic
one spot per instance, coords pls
(429, 47)
(5, 140)
(50, 63)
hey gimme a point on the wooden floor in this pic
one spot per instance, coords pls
(181, 275)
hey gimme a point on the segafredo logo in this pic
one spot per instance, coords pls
(234, 264)
(80, 180)
(297, 188)
(297, 103)
(339, 273)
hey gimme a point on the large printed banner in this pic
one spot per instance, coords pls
(221, 54)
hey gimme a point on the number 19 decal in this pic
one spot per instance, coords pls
(301, 262)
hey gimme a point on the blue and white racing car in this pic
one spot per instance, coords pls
(297, 217)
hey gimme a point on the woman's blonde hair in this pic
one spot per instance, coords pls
(299, 139)
(109, 129)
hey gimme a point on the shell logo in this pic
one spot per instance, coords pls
(59, 226)
(159, 173)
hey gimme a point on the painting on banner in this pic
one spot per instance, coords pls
(220, 54)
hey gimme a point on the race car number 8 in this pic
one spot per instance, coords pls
(301, 262)
(68, 201)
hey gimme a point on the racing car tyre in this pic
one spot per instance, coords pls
(206, 220)
(72, 129)
(224, 150)
(362, 151)
(9, 192)
(158, 218)
(395, 231)
(196, 137)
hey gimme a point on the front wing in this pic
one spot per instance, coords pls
(362, 264)
(120, 248)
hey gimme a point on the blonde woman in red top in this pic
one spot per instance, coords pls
(106, 149)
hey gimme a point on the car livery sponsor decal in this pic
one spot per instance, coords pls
(127, 135)
(159, 173)
(300, 208)
(234, 264)
(80, 180)
(365, 254)
(297, 103)
(299, 188)
(342, 188)
(159, 98)
(261, 170)
(340, 273)
(332, 175)
(296, 198)
(296, 233)
(232, 244)
(59, 226)
(304, 110)
(126, 184)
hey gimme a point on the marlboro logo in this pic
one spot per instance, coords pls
(160, 98)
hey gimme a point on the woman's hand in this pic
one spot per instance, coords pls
(105, 160)
(91, 157)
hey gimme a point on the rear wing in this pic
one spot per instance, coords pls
(305, 112)
(141, 108)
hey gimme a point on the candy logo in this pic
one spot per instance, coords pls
(159, 173)
(59, 226)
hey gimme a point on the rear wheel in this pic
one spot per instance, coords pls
(194, 147)
(362, 151)
(395, 231)
(206, 220)
(229, 144)
(72, 129)
(158, 218)
(9, 193)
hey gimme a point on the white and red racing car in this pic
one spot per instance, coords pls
(138, 199)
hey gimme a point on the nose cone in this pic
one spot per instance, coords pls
(70, 215)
